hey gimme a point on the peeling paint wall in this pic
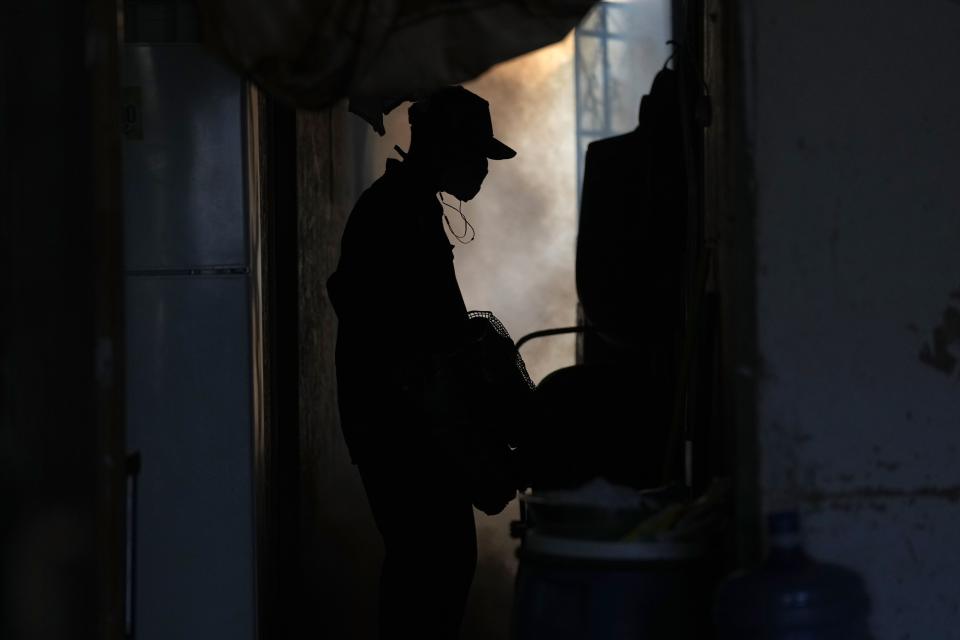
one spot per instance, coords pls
(854, 119)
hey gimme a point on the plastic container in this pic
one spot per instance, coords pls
(792, 596)
(574, 587)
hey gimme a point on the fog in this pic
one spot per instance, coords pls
(521, 265)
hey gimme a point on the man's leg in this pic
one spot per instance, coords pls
(431, 551)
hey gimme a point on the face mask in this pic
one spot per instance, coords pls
(466, 223)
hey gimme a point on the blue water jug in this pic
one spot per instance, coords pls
(792, 596)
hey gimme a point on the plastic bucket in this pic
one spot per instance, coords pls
(596, 590)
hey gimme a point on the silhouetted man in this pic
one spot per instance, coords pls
(400, 311)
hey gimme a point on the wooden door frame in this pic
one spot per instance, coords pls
(272, 197)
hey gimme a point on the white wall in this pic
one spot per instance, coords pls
(854, 121)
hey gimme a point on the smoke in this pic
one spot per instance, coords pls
(521, 265)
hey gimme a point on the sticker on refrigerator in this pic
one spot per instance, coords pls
(132, 114)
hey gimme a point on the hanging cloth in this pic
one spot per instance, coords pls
(377, 52)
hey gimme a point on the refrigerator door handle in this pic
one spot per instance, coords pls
(133, 463)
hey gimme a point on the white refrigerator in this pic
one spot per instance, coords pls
(188, 364)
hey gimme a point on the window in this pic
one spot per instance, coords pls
(619, 47)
